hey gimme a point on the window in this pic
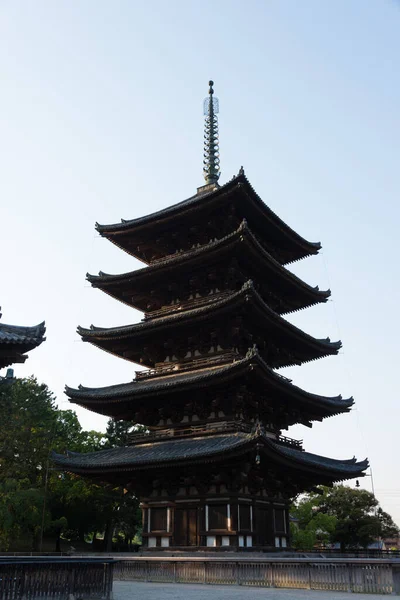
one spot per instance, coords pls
(158, 519)
(217, 516)
(279, 515)
(244, 516)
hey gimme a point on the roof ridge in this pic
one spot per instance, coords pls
(247, 291)
(194, 449)
(124, 390)
(180, 257)
(171, 208)
(238, 180)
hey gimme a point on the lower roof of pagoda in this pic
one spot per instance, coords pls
(142, 237)
(15, 340)
(181, 453)
(135, 288)
(128, 341)
(118, 401)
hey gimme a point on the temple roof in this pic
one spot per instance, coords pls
(241, 243)
(15, 340)
(289, 246)
(309, 347)
(116, 399)
(188, 451)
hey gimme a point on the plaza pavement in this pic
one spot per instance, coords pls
(130, 590)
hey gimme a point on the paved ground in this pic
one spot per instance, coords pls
(130, 590)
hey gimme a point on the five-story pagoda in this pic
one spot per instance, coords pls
(214, 471)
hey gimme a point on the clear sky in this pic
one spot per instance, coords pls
(101, 118)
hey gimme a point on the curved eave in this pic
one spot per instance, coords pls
(97, 336)
(27, 337)
(106, 400)
(305, 248)
(15, 340)
(210, 251)
(209, 449)
(7, 361)
(334, 469)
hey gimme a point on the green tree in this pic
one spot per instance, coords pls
(310, 527)
(28, 417)
(118, 432)
(34, 496)
(30, 497)
(355, 513)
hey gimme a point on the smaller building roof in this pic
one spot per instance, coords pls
(15, 340)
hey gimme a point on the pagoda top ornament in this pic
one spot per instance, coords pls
(211, 170)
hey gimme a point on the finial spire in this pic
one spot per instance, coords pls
(211, 139)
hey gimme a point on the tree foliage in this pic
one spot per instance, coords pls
(348, 516)
(34, 495)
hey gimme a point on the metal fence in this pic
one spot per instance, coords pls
(33, 578)
(346, 575)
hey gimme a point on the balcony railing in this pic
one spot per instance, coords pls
(190, 431)
(188, 365)
(290, 442)
(186, 305)
(207, 429)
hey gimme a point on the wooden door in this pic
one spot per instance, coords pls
(180, 527)
(192, 527)
(185, 527)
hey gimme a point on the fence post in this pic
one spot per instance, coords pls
(110, 580)
(396, 579)
(272, 575)
(22, 589)
(71, 580)
(350, 567)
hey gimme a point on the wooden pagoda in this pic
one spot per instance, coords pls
(16, 340)
(214, 471)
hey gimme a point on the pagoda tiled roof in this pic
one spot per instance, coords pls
(15, 340)
(108, 400)
(185, 451)
(203, 201)
(316, 348)
(113, 284)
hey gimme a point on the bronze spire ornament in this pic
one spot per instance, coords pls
(211, 170)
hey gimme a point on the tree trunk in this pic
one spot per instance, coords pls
(108, 534)
(81, 533)
(58, 540)
(35, 541)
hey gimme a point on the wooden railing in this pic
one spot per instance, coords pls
(58, 578)
(188, 365)
(290, 442)
(372, 576)
(186, 305)
(206, 429)
(190, 431)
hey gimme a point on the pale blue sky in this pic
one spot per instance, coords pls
(101, 118)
